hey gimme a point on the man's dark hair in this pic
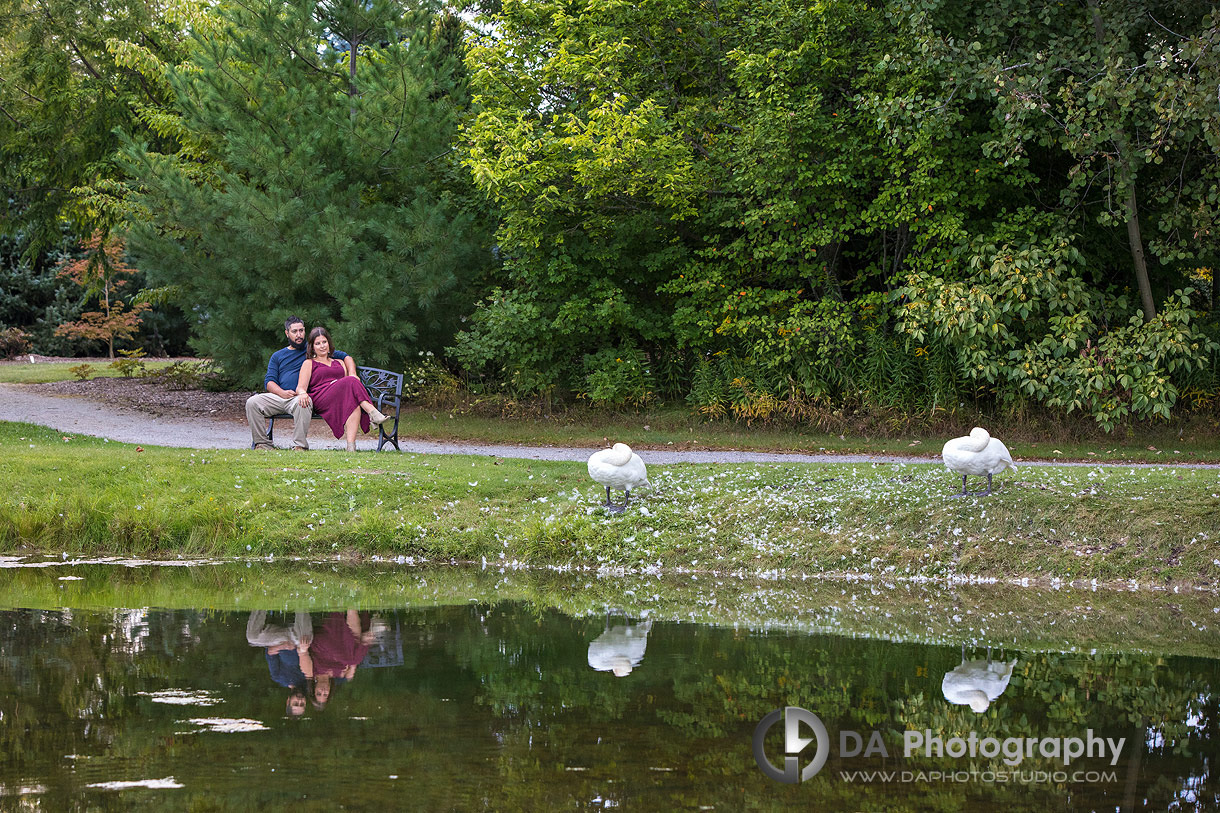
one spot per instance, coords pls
(292, 320)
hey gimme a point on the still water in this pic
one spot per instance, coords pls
(473, 702)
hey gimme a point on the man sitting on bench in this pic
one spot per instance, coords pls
(283, 370)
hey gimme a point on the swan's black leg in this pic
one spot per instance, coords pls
(610, 506)
(964, 491)
(988, 491)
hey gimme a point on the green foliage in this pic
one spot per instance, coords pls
(426, 379)
(193, 375)
(775, 209)
(82, 371)
(619, 377)
(752, 188)
(1025, 322)
(335, 196)
(131, 363)
(34, 298)
(64, 97)
(506, 337)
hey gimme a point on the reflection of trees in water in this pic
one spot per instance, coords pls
(503, 698)
(67, 681)
(1127, 696)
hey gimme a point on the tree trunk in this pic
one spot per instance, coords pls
(1147, 304)
(1126, 177)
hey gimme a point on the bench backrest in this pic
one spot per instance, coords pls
(384, 386)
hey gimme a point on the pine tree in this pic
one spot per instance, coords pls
(331, 194)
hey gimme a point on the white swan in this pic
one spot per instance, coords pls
(620, 648)
(618, 467)
(977, 683)
(978, 453)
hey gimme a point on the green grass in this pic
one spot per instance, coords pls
(46, 372)
(1076, 524)
(1025, 618)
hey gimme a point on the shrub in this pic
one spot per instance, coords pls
(13, 342)
(131, 364)
(619, 377)
(1024, 323)
(192, 375)
(82, 371)
(428, 381)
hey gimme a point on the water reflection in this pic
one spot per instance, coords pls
(496, 706)
(977, 683)
(620, 648)
(284, 647)
(340, 645)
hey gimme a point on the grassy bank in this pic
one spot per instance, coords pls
(84, 495)
(1110, 621)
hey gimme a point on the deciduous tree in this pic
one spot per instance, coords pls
(103, 273)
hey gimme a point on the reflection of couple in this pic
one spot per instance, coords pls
(309, 664)
(308, 377)
(337, 649)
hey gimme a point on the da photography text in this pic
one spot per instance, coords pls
(1011, 751)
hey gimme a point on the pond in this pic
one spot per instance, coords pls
(176, 688)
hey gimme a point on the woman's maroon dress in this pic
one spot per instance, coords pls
(335, 647)
(335, 394)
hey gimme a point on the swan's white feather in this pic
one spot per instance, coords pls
(977, 453)
(977, 683)
(618, 467)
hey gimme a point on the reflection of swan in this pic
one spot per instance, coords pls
(620, 648)
(618, 468)
(977, 683)
(978, 453)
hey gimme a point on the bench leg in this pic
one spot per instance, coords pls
(392, 437)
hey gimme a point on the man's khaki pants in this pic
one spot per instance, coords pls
(262, 406)
(260, 633)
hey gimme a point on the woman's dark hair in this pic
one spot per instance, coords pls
(315, 333)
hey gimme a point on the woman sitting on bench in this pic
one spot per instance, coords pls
(339, 396)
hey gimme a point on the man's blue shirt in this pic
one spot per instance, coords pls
(285, 367)
(285, 667)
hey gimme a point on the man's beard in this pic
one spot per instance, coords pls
(297, 345)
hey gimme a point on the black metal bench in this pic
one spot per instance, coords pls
(384, 387)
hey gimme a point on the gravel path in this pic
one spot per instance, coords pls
(74, 414)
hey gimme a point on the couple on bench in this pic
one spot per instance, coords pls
(308, 377)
